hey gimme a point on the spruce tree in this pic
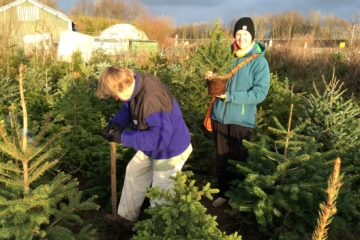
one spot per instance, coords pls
(333, 121)
(7, 92)
(280, 94)
(34, 205)
(81, 110)
(330, 118)
(284, 181)
(214, 55)
(184, 217)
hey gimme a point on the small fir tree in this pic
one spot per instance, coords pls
(32, 205)
(7, 92)
(184, 217)
(331, 119)
(284, 182)
(280, 94)
(215, 55)
(81, 110)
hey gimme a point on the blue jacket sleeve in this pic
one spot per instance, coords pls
(123, 116)
(156, 137)
(260, 87)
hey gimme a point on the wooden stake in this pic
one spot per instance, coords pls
(288, 130)
(113, 178)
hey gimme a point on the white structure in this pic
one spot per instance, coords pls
(115, 39)
(123, 31)
(71, 42)
(37, 42)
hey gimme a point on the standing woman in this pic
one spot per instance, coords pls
(234, 113)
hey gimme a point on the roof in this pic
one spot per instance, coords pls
(123, 31)
(38, 4)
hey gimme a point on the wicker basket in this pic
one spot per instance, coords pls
(216, 86)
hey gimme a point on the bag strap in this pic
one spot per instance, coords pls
(242, 64)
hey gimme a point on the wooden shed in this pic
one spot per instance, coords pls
(27, 17)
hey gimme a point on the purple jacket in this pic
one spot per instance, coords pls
(158, 128)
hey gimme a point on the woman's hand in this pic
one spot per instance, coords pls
(209, 74)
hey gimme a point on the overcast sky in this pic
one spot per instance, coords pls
(190, 11)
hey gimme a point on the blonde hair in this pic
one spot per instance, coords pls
(114, 79)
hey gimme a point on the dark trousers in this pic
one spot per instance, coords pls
(228, 142)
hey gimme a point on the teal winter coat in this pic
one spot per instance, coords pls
(244, 90)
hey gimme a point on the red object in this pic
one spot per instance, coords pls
(207, 121)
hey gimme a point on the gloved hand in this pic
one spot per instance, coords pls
(223, 96)
(115, 136)
(112, 125)
(209, 74)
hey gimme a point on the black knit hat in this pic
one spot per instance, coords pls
(247, 24)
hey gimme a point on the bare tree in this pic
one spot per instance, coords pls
(83, 7)
(113, 9)
(156, 28)
(232, 23)
(336, 28)
(134, 10)
(314, 21)
(205, 29)
(119, 11)
(355, 28)
(275, 27)
(196, 30)
(356, 18)
(287, 25)
(182, 31)
(261, 26)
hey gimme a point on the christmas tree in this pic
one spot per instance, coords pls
(33, 204)
(284, 181)
(330, 118)
(214, 55)
(333, 121)
(184, 217)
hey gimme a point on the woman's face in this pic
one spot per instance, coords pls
(243, 39)
(126, 93)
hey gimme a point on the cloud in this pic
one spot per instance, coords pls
(190, 11)
(185, 3)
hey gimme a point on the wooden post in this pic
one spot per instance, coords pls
(113, 178)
